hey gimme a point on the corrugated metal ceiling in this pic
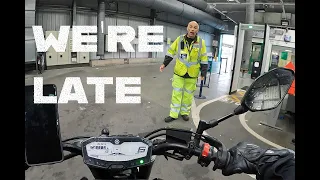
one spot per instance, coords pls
(222, 5)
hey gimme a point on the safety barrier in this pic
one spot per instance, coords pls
(204, 83)
(200, 96)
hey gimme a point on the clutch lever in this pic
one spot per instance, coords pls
(174, 156)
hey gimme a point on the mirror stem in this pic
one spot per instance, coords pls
(224, 118)
(204, 125)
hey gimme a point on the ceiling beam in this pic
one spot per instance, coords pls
(230, 3)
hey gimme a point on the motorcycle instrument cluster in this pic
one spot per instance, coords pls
(116, 152)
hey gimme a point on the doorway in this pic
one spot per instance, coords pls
(226, 54)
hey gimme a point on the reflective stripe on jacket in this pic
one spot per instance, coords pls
(188, 58)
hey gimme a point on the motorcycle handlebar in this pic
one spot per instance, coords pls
(162, 148)
(205, 154)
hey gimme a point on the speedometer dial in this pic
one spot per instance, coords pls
(126, 151)
(116, 152)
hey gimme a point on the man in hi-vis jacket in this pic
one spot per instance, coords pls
(191, 54)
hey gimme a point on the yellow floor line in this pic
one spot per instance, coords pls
(235, 98)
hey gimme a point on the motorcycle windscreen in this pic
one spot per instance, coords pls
(42, 130)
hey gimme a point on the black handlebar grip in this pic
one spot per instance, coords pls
(221, 159)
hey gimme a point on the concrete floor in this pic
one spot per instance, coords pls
(90, 119)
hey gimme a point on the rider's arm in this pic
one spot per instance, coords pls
(265, 163)
(172, 51)
(283, 167)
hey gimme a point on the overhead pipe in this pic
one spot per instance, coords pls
(204, 6)
(257, 3)
(283, 10)
(181, 9)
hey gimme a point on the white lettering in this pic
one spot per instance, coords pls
(121, 90)
(58, 45)
(116, 34)
(144, 42)
(78, 39)
(99, 82)
(127, 34)
(38, 97)
(78, 95)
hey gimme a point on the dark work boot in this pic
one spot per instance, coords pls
(169, 119)
(185, 117)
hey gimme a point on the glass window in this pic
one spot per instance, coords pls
(281, 56)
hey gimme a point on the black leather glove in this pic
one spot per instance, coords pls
(251, 159)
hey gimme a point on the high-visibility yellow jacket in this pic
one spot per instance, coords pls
(188, 58)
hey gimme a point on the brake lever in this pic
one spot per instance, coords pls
(221, 157)
(215, 143)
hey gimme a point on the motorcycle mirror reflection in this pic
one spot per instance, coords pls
(265, 93)
(268, 90)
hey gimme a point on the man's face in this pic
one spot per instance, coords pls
(192, 29)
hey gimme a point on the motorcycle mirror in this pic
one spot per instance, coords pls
(268, 90)
(265, 93)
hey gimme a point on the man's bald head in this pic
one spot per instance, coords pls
(193, 29)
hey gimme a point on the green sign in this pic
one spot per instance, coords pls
(284, 55)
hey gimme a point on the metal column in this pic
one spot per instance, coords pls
(153, 22)
(74, 13)
(248, 35)
(101, 28)
(30, 20)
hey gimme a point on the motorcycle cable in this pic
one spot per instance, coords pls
(75, 138)
(172, 129)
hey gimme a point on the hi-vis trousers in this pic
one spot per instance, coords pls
(182, 95)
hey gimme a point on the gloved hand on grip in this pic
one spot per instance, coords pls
(251, 159)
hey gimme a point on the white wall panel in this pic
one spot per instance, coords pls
(30, 5)
(122, 21)
(30, 50)
(28, 34)
(86, 19)
(160, 23)
(30, 18)
(110, 21)
(30, 45)
(173, 32)
(51, 21)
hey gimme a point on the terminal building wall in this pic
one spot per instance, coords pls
(127, 15)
